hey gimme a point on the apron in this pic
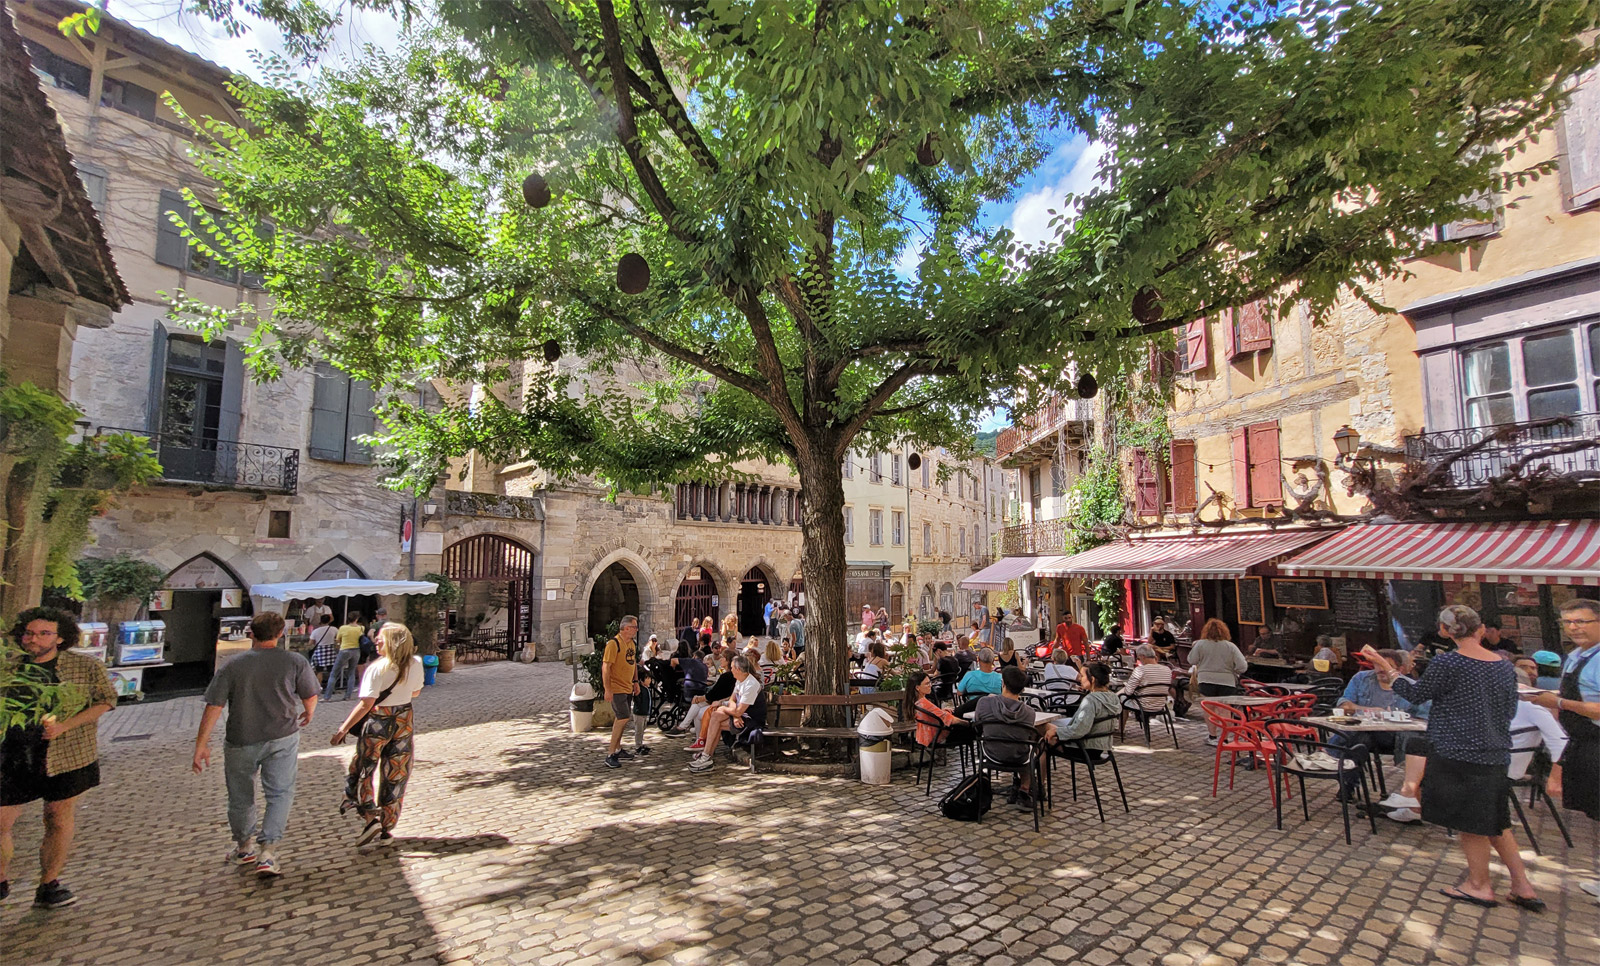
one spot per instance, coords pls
(1580, 766)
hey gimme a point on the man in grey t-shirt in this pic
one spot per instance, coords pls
(270, 694)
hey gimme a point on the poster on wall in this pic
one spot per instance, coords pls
(233, 597)
(201, 573)
(161, 600)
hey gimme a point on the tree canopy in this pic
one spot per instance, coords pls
(771, 159)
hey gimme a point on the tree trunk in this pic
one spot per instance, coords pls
(822, 562)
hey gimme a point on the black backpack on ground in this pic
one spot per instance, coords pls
(969, 800)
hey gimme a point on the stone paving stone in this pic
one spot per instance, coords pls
(517, 846)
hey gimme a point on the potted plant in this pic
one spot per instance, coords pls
(27, 698)
(425, 618)
(117, 587)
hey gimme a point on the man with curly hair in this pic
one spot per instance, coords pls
(57, 759)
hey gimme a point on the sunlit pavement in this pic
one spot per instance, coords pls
(518, 846)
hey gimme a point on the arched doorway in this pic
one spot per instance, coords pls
(615, 595)
(696, 598)
(495, 616)
(927, 604)
(897, 604)
(197, 595)
(797, 594)
(340, 567)
(754, 592)
(947, 598)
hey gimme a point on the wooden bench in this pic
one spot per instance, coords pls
(855, 706)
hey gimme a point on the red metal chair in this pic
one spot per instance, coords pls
(1267, 691)
(1238, 733)
(1362, 661)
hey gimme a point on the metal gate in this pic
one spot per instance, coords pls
(501, 560)
(697, 598)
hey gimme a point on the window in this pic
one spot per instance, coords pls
(1537, 376)
(1257, 472)
(195, 401)
(927, 539)
(1578, 140)
(1194, 349)
(94, 185)
(58, 70)
(963, 533)
(1181, 493)
(875, 527)
(875, 468)
(130, 98)
(849, 524)
(894, 470)
(341, 411)
(848, 468)
(278, 524)
(944, 485)
(1035, 492)
(174, 250)
(1247, 329)
(897, 528)
(925, 468)
(947, 546)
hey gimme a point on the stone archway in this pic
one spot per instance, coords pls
(198, 593)
(757, 586)
(643, 599)
(702, 592)
(495, 574)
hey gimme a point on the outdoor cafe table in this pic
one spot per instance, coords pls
(1369, 726)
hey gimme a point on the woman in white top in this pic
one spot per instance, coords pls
(384, 716)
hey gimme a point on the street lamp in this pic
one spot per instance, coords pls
(1347, 440)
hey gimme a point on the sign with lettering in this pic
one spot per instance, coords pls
(1161, 588)
(1355, 606)
(1309, 594)
(1252, 609)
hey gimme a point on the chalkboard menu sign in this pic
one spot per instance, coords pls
(1252, 610)
(1160, 588)
(1355, 606)
(1310, 594)
(1414, 609)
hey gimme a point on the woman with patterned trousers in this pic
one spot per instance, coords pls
(383, 748)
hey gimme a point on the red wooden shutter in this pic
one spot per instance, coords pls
(1196, 350)
(1184, 483)
(1229, 321)
(1266, 473)
(1241, 469)
(1255, 327)
(1146, 495)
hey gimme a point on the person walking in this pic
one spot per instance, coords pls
(270, 693)
(56, 760)
(376, 784)
(619, 666)
(1466, 785)
(348, 661)
(324, 647)
(1216, 663)
(1576, 778)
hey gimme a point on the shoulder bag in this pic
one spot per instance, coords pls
(382, 696)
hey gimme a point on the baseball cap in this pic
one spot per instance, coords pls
(1547, 657)
(654, 638)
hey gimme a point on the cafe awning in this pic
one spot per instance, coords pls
(1209, 556)
(307, 589)
(1541, 551)
(1003, 571)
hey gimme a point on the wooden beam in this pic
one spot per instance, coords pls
(46, 257)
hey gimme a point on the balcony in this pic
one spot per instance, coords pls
(222, 463)
(1033, 438)
(1034, 539)
(752, 504)
(1568, 448)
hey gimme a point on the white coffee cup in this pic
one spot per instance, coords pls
(1397, 716)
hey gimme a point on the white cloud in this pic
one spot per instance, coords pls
(905, 264)
(1030, 219)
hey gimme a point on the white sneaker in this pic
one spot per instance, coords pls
(1404, 815)
(1397, 800)
(1592, 887)
(1211, 739)
(701, 763)
(243, 853)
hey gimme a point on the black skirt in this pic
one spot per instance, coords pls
(1465, 796)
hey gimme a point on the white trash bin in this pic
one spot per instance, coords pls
(582, 702)
(873, 734)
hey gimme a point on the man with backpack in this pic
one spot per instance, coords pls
(619, 666)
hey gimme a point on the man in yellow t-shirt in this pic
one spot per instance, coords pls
(349, 658)
(618, 665)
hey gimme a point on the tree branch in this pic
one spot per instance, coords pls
(666, 102)
(885, 391)
(667, 347)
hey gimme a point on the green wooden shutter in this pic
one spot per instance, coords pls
(171, 249)
(360, 421)
(158, 379)
(329, 401)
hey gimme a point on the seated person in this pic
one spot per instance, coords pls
(958, 732)
(1373, 690)
(963, 653)
(978, 682)
(1099, 702)
(729, 714)
(1163, 640)
(786, 649)
(772, 656)
(1112, 644)
(718, 691)
(874, 667)
(1549, 665)
(1148, 672)
(947, 671)
(1060, 672)
(1004, 716)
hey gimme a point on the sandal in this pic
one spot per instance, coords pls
(1530, 903)
(345, 806)
(1474, 900)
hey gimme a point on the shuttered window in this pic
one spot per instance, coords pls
(1146, 491)
(849, 524)
(1490, 224)
(1241, 468)
(1266, 471)
(1184, 477)
(1578, 136)
(173, 249)
(341, 411)
(1255, 327)
(1195, 353)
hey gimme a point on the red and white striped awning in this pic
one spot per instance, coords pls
(1000, 573)
(1541, 551)
(1209, 556)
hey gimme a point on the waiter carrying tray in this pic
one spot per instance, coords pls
(1576, 779)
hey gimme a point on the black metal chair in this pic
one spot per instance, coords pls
(1328, 689)
(1534, 780)
(996, 754)
(944, 689)
(1076, 751)
(927, 753)
(1290, 749)
(1134, 704)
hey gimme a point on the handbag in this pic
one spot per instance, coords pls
(968, 800)
(382, 696)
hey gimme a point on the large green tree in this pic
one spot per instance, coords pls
(770, 159)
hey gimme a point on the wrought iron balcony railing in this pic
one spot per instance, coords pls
(1042, 422)
(1033, 539)
(188, 458)
(1567, 447)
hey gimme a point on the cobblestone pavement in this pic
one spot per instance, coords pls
(517, 846)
